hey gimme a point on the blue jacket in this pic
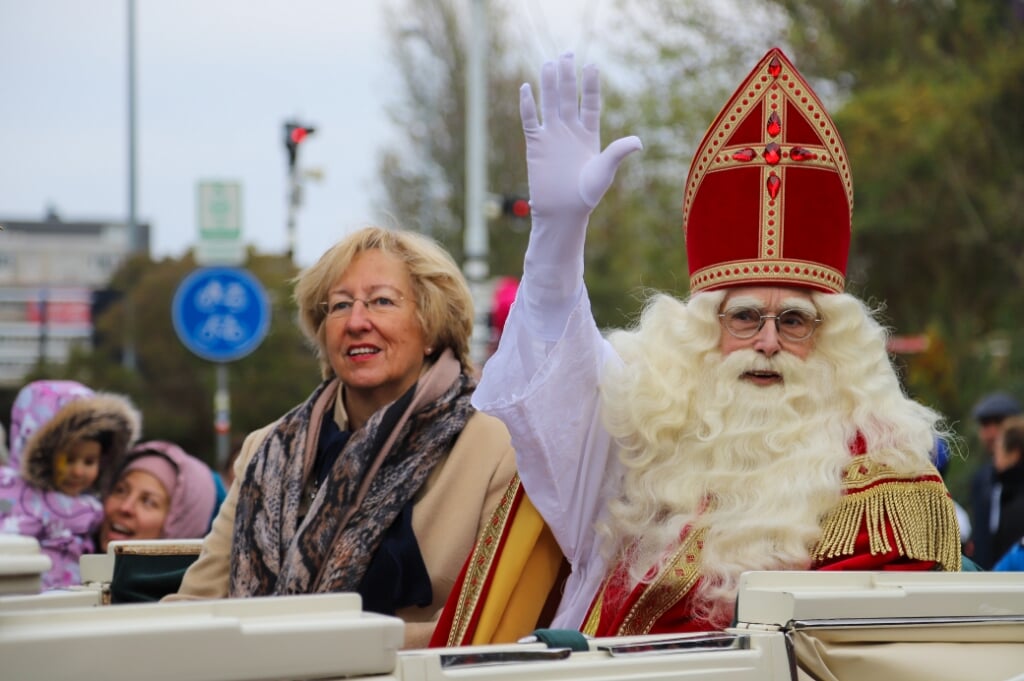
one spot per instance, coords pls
(1013, 560)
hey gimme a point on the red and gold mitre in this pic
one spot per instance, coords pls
(769, 195)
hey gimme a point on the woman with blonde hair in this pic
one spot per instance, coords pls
(381, 480)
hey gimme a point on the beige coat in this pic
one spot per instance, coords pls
(456, 500)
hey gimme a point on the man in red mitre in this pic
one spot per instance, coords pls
(758, 425)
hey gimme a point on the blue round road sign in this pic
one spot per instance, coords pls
(221, 313)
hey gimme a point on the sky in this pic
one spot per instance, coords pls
(215, 82)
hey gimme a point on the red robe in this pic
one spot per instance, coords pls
(883, 521)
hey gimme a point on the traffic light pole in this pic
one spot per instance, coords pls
(295, 134)
(294, 201)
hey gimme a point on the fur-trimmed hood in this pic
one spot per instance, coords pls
(111, 418)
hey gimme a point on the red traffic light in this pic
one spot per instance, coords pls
(294, 135)
(516, 206)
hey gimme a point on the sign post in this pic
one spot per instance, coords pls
(221, 314)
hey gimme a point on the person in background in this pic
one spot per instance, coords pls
(941, 459)
(1012, 560)
(380, 482)
(66, 443)
(1008, 504)
(160, 492)
(501, 304)
(759, 425)
(227, 473)
(989, 414)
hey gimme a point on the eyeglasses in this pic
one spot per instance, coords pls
(747, 322)
(341, 307)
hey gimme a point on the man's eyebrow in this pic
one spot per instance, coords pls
(757, 304)
(799, 304)
(743, 301)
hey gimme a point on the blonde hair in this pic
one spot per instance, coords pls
(444, 305)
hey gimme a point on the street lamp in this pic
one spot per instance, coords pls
(475, 265)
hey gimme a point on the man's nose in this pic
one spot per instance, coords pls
(767, 340)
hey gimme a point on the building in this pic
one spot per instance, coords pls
(49, 273)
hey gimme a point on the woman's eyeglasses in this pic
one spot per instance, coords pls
(340, 307)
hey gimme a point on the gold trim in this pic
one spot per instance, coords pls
(485, 550)
(780, 270)
(594, 617)
(673, 583)
(770, 224)
(919, 511)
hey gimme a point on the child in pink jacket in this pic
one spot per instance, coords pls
(66, 441)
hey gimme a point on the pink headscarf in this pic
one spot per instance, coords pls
(188, 482)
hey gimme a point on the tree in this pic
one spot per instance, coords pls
(423, 176)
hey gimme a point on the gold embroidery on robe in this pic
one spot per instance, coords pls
(483, 555)
(920, 513)
(672, 584)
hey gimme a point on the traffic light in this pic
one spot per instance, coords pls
(516, 206)
(294, 135)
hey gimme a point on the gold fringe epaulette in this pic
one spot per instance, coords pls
(917, 508)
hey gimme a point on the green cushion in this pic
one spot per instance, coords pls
(142, 578)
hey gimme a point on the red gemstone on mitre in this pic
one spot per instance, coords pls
(774, 67)
(744, 155)
(772, 153)
(774, 184)
(774, 124)
(800, 154)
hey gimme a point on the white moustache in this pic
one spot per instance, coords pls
(741, 362)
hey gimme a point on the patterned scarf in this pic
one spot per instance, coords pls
(377, 473)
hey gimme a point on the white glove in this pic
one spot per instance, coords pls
(568, 175)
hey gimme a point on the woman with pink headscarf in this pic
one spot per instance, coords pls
(161, 492)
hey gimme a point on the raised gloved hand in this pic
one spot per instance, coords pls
(567, 170)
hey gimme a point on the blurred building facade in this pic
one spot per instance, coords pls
(51, 271)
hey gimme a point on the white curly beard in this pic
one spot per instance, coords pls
(757, 467)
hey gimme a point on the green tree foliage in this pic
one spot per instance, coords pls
(174, 388)
(933, 126)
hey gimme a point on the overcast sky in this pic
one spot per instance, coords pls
(216, 79)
